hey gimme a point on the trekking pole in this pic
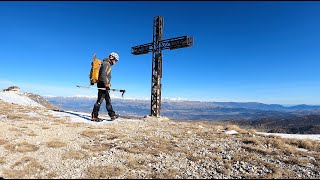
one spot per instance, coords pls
(119, 90)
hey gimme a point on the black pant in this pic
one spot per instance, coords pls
(103, 94)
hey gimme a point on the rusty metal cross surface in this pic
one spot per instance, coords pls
(156, 47)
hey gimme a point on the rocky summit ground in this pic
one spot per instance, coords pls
(36, 142)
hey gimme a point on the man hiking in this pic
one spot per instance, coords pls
(104, 82)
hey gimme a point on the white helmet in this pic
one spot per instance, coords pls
(114, 55)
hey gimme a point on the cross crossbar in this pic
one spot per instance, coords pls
(173, 43)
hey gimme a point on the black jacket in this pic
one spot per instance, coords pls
(105, 72)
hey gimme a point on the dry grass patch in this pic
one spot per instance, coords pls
(217, 127)
(216, 149)
(15, 129)
(241, 156)
(97, 147)
(302, 161)
(23, 126)
(9, 107)
(35, 108)
(25, 168)
(288, 150)
(262, 151)
(45, 127)
(255, 159)
(24, 131)
(132, 161)
(94, 127)
(251, 140)
(59, 121)
(282, 145)
(316, 161)
(50, 116)
(77, 124)
(31, 133)
(252, 131)
(167, 174)
(21, 147)
(75, 154)
(91, 133)
(214, 157)
(113, 136)
(311, 145)
(2, 160)
(29, 118)
(199, 129)
(156, 146)
(2, 141)
(222, 135)
(146, 132)
(22, 161)
(51, 175)
(277, 172)
(24, 110)
(182, 135)
(192, 156)
(112, 129)
(55, 144)
(236, 128)
(250, 157)
(208, 135)
(15, 116)
(224, 168)
(135, 149)
(96, 172)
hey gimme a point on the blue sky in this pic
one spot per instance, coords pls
(265, 52)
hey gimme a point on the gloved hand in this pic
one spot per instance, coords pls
(107, 88)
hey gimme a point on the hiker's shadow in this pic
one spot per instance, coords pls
(86, 117)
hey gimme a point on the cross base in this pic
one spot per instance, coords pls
(149, 118)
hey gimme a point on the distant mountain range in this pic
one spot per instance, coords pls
(302, 119)
(266, 117)
(190, 110)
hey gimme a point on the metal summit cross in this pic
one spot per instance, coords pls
(156, 47)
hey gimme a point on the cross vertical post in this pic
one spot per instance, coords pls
(156, 67)
(156, 48)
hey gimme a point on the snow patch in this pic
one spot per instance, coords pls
(82, 117)
(231, 132)
(294, 136)
(17, 98)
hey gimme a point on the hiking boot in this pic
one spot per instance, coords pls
(97, 120)
(94, 117)
(114, 117)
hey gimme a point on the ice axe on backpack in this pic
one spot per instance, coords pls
(119, 90)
